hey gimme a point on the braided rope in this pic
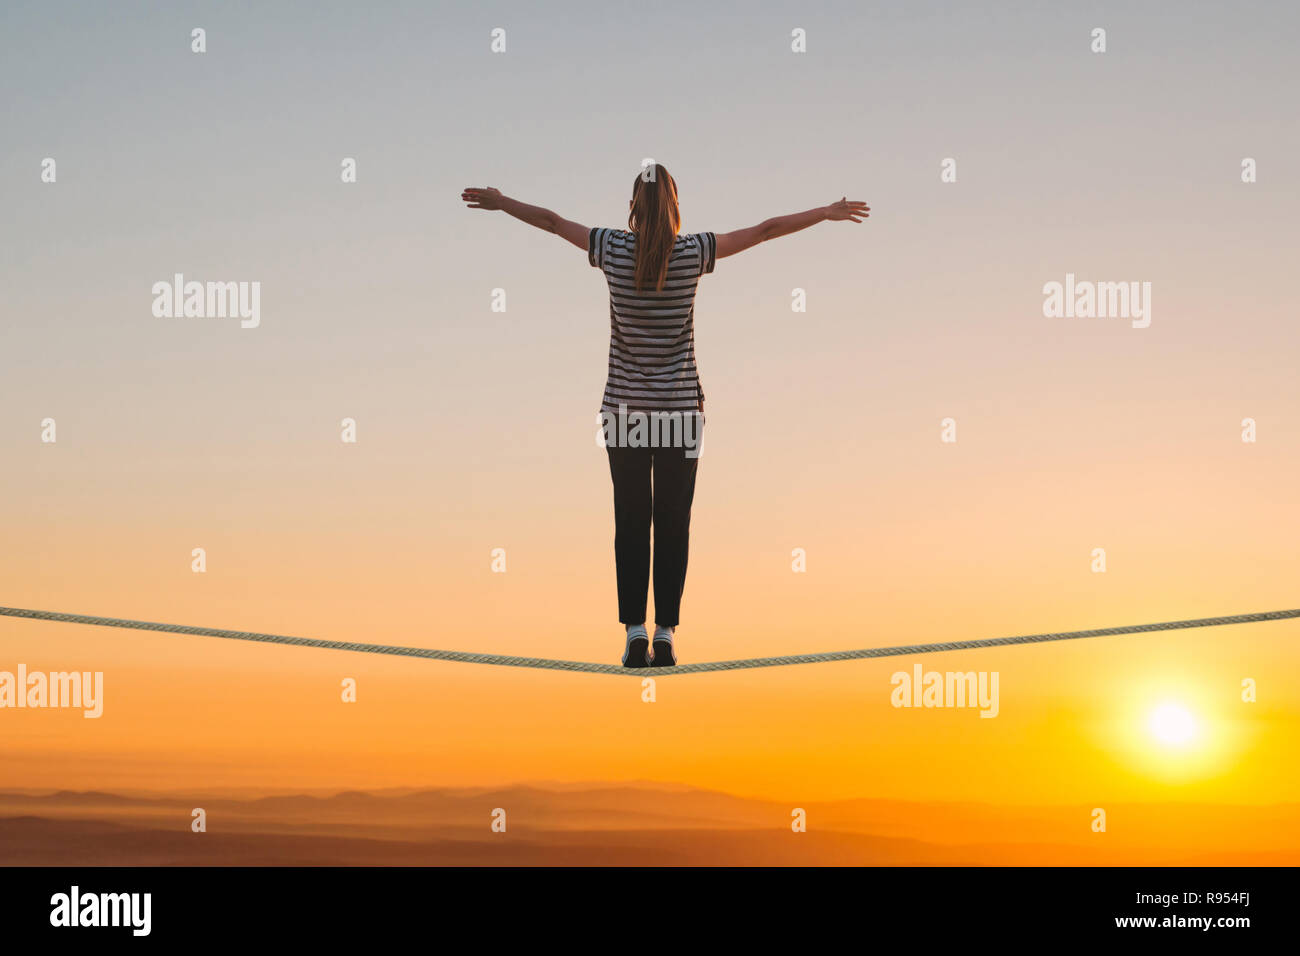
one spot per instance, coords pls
(542, 663)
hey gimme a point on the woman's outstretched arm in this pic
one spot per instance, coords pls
(729, 243)
(485, 197)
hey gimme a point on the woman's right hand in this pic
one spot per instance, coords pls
(849, 209)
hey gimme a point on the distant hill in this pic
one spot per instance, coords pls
(602, 824)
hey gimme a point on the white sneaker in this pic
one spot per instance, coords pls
(637, 653)
(662, 653)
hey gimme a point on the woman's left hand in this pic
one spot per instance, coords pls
(482, 197)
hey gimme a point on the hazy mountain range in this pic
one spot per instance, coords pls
(594, 824)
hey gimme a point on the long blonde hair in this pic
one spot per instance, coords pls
(655, 219)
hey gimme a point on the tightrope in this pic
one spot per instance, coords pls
(542, 663)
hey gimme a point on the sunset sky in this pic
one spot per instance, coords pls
(476, 428)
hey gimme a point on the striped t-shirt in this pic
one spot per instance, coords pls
(652, 333)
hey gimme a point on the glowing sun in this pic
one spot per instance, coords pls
(1173, 725)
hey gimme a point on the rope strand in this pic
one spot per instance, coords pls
(542, 663)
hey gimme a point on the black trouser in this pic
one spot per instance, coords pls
(636, 504)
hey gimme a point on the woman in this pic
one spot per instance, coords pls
(653, 409)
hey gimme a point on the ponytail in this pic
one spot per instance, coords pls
(655, 219)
